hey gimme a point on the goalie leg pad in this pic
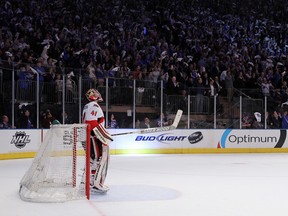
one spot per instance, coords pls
(96, 148)
(105, 168)
(102, 168)
(102, 134)
(96, 152)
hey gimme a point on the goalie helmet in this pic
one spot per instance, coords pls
(94, 95)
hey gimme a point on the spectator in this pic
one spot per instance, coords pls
(240, 82)
(217, 86)
(162, 120)
(256, 123)
(67, 118)
(113, 122)
(24, 79)
(211, 93)
(266, 87)
(229, 85)
(59, 88)
(205, 79)
(246, 121)
(49, 119)
(138, 124)
(123, 75)
(100, 75)
(91, 70)
(139, 95)
(200, 92)
(137, 72)
(5, 123)
(155, 74)
(146, 123)
(70, 86)
(41, 71)
(25, 120)
(173, 86)
(285, 120)
(275, 120)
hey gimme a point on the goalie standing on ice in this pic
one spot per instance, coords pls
(100, 139)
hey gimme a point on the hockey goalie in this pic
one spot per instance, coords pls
(100, 140)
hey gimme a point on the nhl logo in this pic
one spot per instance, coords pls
(20, 139)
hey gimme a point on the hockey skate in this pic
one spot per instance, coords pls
(99, 188)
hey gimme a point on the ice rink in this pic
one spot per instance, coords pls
(168, 185)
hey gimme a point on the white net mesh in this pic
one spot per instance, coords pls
(57, 173)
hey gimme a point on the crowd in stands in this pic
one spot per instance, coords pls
(186, 44)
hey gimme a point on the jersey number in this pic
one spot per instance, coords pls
(93, 113)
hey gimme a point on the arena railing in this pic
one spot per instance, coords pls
(131, 101)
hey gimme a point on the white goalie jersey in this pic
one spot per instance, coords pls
(93, 115)
(93, 112)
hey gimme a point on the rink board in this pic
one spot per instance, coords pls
(25, 143)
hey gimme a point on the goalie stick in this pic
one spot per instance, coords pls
(156, 129)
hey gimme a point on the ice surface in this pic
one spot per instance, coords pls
(168, 185)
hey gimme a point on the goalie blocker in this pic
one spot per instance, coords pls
(102, 134)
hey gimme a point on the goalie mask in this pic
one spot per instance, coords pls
(94, 95)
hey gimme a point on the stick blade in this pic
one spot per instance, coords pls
(177, 118)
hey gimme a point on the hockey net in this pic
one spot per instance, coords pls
(60, 170)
